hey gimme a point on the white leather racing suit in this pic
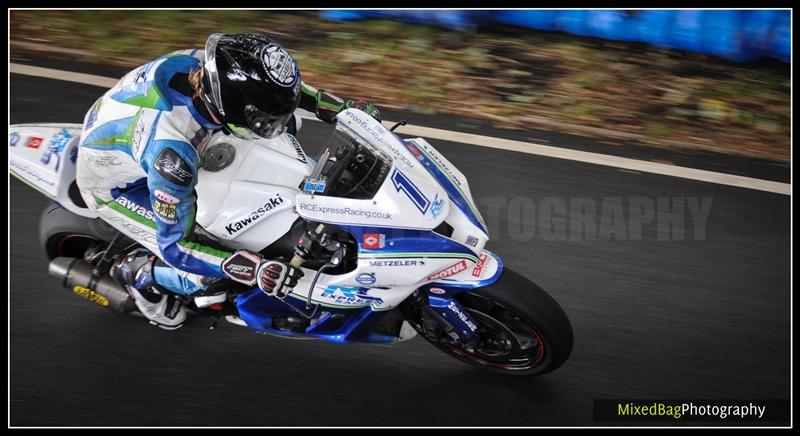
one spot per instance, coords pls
(137, 166)
(138, 161)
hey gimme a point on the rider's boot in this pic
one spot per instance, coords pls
(161, 307)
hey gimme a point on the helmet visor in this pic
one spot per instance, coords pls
(263, 124)
(210, 65)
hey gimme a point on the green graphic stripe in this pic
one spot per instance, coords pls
(204, 249)
(22, 179)
(149, 100)
(140, 219)
(125, 138)
(417, 255)
(128, 213)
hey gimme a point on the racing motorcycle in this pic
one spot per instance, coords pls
(384, 229)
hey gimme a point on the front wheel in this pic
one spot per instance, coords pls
(521, 329)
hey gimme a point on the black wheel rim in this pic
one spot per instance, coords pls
(505, 339)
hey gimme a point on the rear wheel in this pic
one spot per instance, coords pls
(62, 233)
(521, 330)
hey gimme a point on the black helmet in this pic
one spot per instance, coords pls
(250, 81)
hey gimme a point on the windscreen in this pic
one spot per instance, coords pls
(349, 167)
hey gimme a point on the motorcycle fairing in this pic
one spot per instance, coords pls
(43, 156)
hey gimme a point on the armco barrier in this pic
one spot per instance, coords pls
(735, 35)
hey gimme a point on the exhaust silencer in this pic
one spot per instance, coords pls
(77, 274)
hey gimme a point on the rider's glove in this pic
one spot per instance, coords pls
(276, 278)
(328, 105)
(365, 106)
(242, 266)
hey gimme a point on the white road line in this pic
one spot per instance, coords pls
(68, 76)
(491, 142)
(600, 159)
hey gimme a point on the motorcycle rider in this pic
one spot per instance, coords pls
(142, 145)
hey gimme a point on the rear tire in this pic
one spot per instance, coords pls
(62, 233)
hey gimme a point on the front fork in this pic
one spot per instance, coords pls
(456, 321)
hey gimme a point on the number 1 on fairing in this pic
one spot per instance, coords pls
(403, 183)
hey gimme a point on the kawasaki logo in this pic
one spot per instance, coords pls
(301, 155)
(136, 208)
(255, 215)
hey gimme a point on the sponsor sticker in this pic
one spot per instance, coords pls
(34, 142)
(56, 146)
(349, 295)
(449, 271)
(301, 155)
(414, 150)
(476, 272)
(472, 241)
(31, 171)
(366, 278)
(135, 207)
(13, 139)
(345, 211)
(373, 241)
(436, 206)
(166, 197)
(462, 316)
(392, 262)
(270, 205)
(437, 291)
(280, 65)
(104, 161)
(90, 295)
(166, 212)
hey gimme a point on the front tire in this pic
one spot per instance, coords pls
(522, 330)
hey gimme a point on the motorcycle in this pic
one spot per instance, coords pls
(384, 229)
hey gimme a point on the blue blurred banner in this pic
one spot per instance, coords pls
(735, 35)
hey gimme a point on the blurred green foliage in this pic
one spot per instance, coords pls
(500, 76)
